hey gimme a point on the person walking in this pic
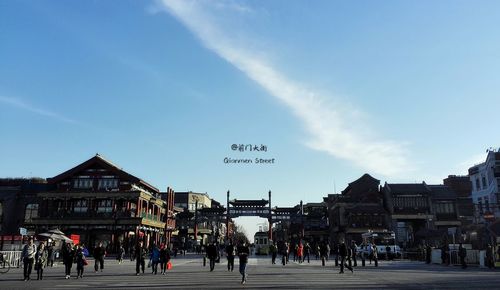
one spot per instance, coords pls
(490, 262)
(274, 252)
(300, 252)
(99, 253)
(284, 254)
(307, 253)
(243, 253)
(294, 250)
(28, 257)
(323, 252)
(140, 257)
(343, 252)
(374, 255)
(462, 253)
(81, 261)
(336, 253)
(212, 255)
(121, 254)
(230, 256)
(154, 259)
(40, 260)
(428, 254)
(363, 253)
(354, 253)
(164, 258)
(68, 255)
(50, 254)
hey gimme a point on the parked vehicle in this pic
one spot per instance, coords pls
(382, 240)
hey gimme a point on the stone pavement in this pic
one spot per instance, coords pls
(189, 273)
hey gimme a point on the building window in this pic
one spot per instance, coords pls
(82, 183)
(81, 205)
(107, 183)
(484, 182)
(105, 205)
(31, 212)
(478, 185)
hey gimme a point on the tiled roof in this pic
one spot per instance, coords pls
(98, 159)
(408, 188)
(442, 192)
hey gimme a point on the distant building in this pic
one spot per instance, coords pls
(200, 221)
(485, 180)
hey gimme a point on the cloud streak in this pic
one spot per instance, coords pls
(18, 103)
(332, 128)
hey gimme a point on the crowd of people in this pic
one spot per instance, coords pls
(40, 256)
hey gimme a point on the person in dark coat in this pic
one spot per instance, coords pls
(307, 252)
(212, 255)
(41, 260)
(28, 257)
(354, 253)
(230, 256)
(50, 254)
(141, 254)
(164, 258)
(428, 254)
(243, 253)
(80, 261)
(445, 254)
(68, 255)
(284, 253)
(336, 253)
(490, 261)
(462, 253)
(344, 252)
(99, 253)
(323, 253)
(274, 252)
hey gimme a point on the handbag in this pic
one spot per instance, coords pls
(169, 266)
(85, 262)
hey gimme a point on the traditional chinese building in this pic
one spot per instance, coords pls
(18, 206)
(102, 203)
(410, 207)
(463, 187)
(358, 209)
(315, 221)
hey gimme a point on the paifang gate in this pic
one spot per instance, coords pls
(260, 208)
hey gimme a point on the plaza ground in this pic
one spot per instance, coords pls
(188, 273)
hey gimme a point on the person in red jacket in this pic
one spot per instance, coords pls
(300, 252)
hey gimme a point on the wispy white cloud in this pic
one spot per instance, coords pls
(18, 103)
(463, 167)
(331, 127)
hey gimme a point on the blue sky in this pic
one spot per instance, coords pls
(404, 90)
